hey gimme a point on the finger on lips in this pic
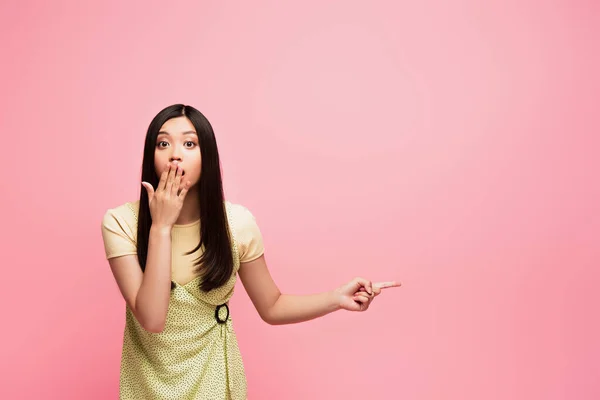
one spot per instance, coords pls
(163, 179)
(178, 175)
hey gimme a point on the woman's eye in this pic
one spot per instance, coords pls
(191, 144)
(160, 144)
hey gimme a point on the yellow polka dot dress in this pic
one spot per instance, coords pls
(196, 356)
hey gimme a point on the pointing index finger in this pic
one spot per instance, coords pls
(384, 285)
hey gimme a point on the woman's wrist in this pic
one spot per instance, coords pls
(161, 229)
(335, 299)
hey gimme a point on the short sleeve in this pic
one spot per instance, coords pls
(248, 236)
(118, 233)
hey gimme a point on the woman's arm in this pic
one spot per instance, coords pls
(277, 309)
(147, 293)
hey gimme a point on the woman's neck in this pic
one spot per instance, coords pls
(190, 212)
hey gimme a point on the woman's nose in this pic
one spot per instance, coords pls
(175, 156)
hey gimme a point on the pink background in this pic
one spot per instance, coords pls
(450, 145)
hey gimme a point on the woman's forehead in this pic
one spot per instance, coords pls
(178, 126)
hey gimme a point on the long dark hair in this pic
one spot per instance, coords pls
(215, 265)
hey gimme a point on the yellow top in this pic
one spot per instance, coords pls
(195, 356)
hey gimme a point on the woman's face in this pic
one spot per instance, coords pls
(177, 144)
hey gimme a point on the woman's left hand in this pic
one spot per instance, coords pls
(358, 294)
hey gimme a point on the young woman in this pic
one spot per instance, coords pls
(176, 254)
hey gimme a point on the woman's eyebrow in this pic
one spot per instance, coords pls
(183, 133)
